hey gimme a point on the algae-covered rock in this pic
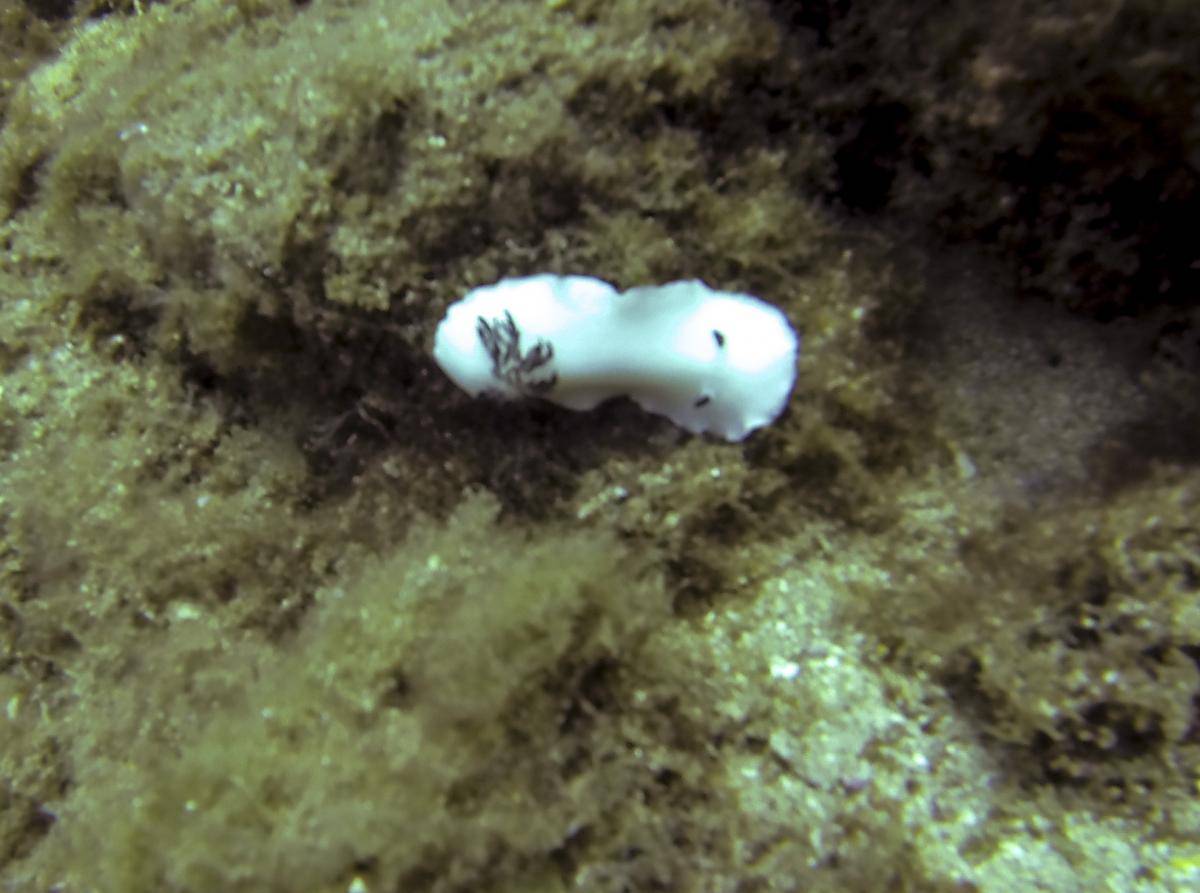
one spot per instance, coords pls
(1062, 135)
(282, 609)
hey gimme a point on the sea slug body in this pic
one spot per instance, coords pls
(710, 361)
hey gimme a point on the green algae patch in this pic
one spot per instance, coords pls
(1109, 686)
(1068, 635)
(263, 164)
(410, 684)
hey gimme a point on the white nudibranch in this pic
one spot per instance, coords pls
(707, 360)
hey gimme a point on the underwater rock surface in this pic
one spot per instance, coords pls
(282, 609)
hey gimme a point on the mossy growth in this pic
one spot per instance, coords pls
(1061, 135)
(286, 218)
(1072, 637)
(453, 679)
